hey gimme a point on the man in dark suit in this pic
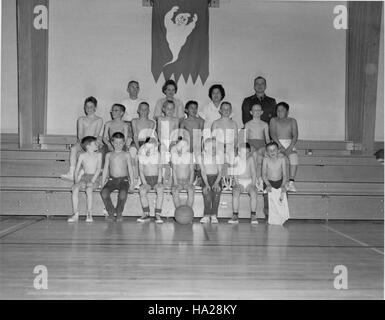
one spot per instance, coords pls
(267, 103)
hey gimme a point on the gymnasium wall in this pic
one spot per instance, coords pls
(8, 106)
(379, 134)
(95, 46)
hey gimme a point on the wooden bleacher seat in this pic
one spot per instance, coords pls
(9, 141)
(64, 142)
(332, 183)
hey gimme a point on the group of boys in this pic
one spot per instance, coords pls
(152, 155)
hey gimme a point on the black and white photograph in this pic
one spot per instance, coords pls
(213, 151)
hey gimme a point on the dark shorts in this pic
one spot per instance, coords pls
(86, 181)
(211, 178)
(152, 181)
(275, 184)
(257, 144)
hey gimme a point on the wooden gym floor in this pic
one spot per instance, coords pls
(147, 261)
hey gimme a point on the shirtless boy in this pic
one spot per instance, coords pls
(117, 125)
(192, 127)
(284, 131)
(117, 170)
(274, 169)
(225, 132)
(183, 173)
(211, 172)
(257, 135)
(150, 171)
(245, 176)
(168, 133)
(142, 128)
(89, 125)
(91, 162)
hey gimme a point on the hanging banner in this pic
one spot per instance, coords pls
(180, 39)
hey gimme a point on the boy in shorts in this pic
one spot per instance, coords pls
(91, 162)
(183, 173)
(225, 132)
(89, 125)
(192, 127)
(273, 169)
(191, 130)
(245, 176)
(257, 135)
(117, 125)
(150, 171)
(142, 129)
(117, 170)
(211, 172)
(168, 133)
(284, 131)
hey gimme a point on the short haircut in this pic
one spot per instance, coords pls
(283, 104)
(117, 135)
(145, 103)
(259, 77)
(168, 83)
(189, 103)
(272, 143)
(226, 102)
(132, 81)
(256, 104)
(122, 107)
(91, 99)
(248, 146)
(86, 141)
(220, 88)
(166, 103)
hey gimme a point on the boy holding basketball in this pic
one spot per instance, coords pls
(91, 162)
(150, 171)
(118, 170)
(183, 173)
(89, 125)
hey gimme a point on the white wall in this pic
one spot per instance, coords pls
(95, 46)
(379, 134)
(8, 108)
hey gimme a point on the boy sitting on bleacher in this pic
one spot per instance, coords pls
(150, 170)
(245, 177)
(89, 125)
(274, 177)
(118, 169)
(91, 162)
(284, 131)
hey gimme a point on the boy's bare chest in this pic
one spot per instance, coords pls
(144, 124)
(115, 127)
(284, 124)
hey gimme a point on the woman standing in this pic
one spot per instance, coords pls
(169, 89)
(210, 112)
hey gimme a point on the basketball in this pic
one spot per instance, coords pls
(184, 215)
